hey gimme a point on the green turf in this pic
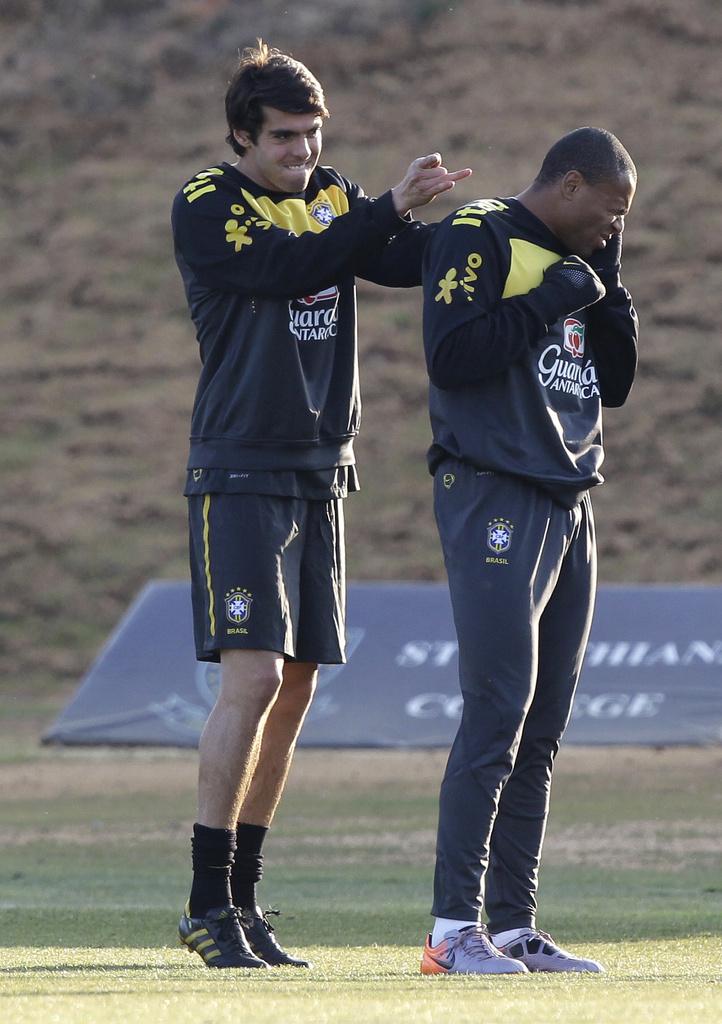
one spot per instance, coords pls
(92, 887)
(649, 981)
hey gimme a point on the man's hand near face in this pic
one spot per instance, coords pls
(607, 262)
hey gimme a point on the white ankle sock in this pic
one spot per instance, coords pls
(442, 925)
(504, 938)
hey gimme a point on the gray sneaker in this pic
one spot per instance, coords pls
(539, 952)
(467, 951)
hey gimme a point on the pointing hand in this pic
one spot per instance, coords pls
(425, 178)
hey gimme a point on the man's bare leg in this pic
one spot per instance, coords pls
(278, 743)
(229, 748)
(231, 740)
(259, 805)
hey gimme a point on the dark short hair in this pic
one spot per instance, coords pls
(267, 77)
(598, 155)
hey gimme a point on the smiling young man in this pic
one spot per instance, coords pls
(268, 248)
(525, 342)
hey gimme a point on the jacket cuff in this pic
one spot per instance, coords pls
(611, 281)
(547, 304)
(385, 217)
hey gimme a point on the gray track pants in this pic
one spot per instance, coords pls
(522, 576)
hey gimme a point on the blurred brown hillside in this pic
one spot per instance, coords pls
(108, 105)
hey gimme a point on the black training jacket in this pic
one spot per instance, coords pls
(269, 279)
(518, 384)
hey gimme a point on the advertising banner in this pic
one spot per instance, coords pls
(652, 675)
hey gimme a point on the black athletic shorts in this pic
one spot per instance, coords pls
(268, 573)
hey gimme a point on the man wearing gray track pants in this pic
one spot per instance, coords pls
(525, 342)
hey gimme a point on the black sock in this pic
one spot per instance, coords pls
(247, 868)
(212, 859)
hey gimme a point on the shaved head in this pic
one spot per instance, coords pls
(598, 155)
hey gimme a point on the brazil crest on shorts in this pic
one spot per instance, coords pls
(238, 605)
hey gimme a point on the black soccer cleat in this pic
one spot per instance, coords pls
(262, 940)
(218, 938)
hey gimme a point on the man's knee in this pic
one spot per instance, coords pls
(489, 731)
(299, 684)
(250, 679)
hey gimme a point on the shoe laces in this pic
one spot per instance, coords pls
(229, 929)
(476, 939)
(537, 933)
(270, 911)
(247, 918)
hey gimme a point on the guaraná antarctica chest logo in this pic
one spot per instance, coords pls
(314, 317)
(498, 539)
(238, 607)
(575, 376)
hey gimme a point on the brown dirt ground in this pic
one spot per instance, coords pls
(95, 771)
(107, 107)
(651, 843)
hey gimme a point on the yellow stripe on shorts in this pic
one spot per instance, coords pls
(207, 560)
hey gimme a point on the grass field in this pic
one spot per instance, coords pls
(94, 871)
